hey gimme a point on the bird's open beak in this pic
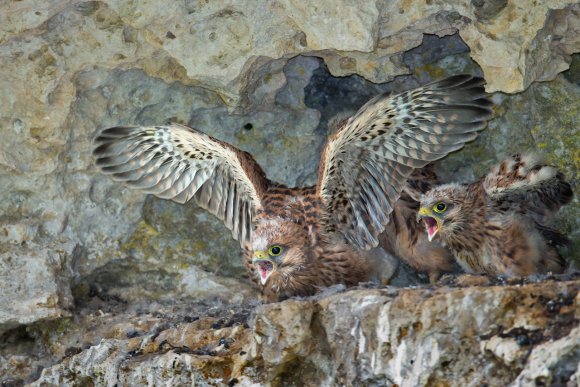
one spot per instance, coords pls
(432, 224)
(264, 265)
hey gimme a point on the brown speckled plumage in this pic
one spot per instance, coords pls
(291, 218)
(498, 225)
(406, 239)
(297, 240)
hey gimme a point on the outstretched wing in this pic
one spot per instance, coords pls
(366, 164)
(179, 163)
(527, 185)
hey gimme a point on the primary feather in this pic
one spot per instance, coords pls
(365, 166)
(526, 184)
(319, 233)
(179, 163)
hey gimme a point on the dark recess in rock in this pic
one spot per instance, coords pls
(488, 9)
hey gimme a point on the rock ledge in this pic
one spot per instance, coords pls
(516, 334)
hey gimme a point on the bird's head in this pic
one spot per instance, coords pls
(442, 210)
(280, 249)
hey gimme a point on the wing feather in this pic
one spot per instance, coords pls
(527, 185)
(365, 165)
(179, 163)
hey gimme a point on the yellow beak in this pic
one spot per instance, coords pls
(260, 255)
(432, 223)
(264, 265)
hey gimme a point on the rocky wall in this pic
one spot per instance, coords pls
(268, 78)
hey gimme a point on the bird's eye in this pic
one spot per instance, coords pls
(439, 207)
(275, 250)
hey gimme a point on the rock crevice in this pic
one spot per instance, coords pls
(80, 253)
(514, 334)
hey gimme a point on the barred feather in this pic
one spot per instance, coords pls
(365, 165)
(497, 225)
(179, 163)
(527, 185)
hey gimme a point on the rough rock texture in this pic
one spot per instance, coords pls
(524, 334)
(217, 44)
(34, 286)
(268, 79)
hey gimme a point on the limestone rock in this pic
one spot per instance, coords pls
(70, 68)
(35, 285)
(270, 80)
(497, 335)
(175, 343)
(215, 44)
(282, 334)
(425, 337)
(553, 362)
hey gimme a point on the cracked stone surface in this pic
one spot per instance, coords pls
(267, 79)
(512, 334)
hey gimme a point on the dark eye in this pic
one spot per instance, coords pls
(275, 250)
(440, 207)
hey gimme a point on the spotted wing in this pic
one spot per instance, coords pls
(527, 185)
(365, 165)
(179, 163)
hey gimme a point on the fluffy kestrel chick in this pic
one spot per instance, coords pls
(406, 239)
(297, 240)
(498, 224)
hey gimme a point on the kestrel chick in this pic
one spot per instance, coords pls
(498, 224)
(297, 240)
(406, 239)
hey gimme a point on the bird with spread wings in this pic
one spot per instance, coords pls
(498, 225)
(297, 240)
